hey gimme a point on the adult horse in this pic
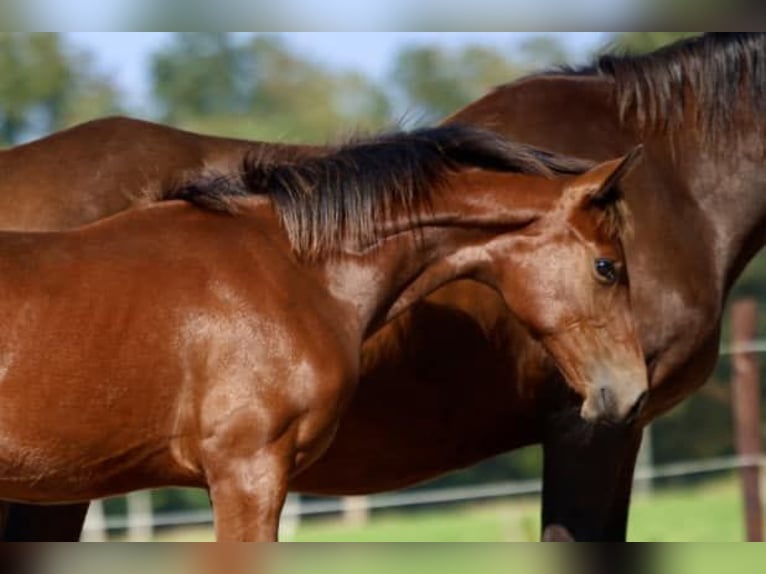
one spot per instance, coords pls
(699, 211)
(50, 184)
(231, 367)
(698, 102)
(699, 214)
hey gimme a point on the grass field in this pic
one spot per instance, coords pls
(710, 513)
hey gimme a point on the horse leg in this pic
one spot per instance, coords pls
(248, 495)
(587, 487)
(32, 523)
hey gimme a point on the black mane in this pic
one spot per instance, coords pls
(327, 200)
(719, 74)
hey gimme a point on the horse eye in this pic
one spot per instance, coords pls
(606, 270)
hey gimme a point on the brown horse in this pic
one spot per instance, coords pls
(186, 347)
(696, 228)
(137, 160)
(697, 103)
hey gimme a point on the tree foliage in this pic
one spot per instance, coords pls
(212, 78)
(543, 51)
(197, 75)
(435, 81)
(44, 85)
(643, 42)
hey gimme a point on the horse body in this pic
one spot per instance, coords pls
(699, 212)
(135, 161)
(233, 375)
(699, 215)
(150, 357)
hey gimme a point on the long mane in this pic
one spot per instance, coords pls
(328, 200)
(716, 78)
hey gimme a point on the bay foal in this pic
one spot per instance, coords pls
(218, 347)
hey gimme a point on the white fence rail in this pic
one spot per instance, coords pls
(753, 347)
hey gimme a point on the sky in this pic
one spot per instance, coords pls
(125, 55)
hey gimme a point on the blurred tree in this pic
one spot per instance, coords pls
(93, 94)
(642, 42)
(261, 88)
(197, 74)
(304, 97)
(45, 86)
(435, 82)
(543, 51)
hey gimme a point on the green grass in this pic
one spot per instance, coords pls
(710, 513)
(476, 523)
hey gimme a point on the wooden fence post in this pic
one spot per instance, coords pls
(95, 523)
(645, 463)
(140, 527)
(747, 410)
(356, 511)
(291, 517)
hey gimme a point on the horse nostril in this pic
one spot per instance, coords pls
(606, 400)
(637, 407)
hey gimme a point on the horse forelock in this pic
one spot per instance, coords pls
(326, 201)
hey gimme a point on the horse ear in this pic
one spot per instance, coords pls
(598, 186)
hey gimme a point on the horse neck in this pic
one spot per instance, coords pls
(726, 183)
(740, 215)
(417, 256)
(704, 205)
